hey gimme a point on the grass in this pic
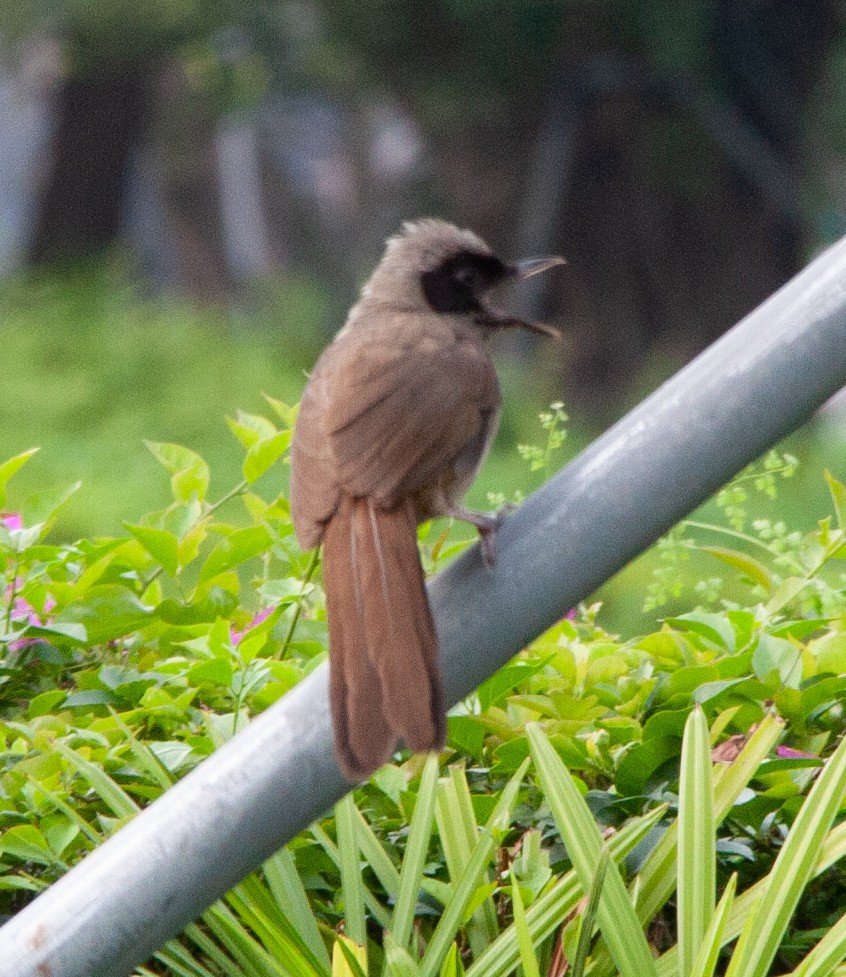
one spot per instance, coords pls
(91, 368)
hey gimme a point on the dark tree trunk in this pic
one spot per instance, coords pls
(99, 120)
(184, 134)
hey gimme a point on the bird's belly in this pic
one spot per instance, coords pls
(448, 491)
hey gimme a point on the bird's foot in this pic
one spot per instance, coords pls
(487, 523)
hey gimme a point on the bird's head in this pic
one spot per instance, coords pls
(433, 266)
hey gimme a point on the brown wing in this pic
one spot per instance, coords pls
(400, 417)
(314, 492)
(390, 406)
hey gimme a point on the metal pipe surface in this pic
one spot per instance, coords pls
(752, 387)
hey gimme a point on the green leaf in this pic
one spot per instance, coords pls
(232, 550)
(452, 967)
(710, 690)
(658, 874)
(505, 679)
(120, 803)
(398, 961)
(696, 861)
(91, 697)
(250, 429)
(28, 844)
(528, 959)
(640, 762)
(784, 594)
(8, 468)
(588, 921)
(54, 631)
(46, 703)
(248, 436)
(468, 885)
(715, 628)
(546, 914)
(285, 413)
(348, 959)
(380, 862)
(830, 652)
(458, 834)
(753, 569)
(466, 734)
(189, 472)
(175, 953)
(218, 671)
(838, 497)
(287, 888)
(706, 961)
(416, 849)
(531, 865)
(618, 921)
(793, 869)
(272, 930)
(59, 834)
(161, 545)
(44, 508)
(824, 959)
(218, 602)
(284, 590)
(244, 947)
(351, 881)
(263, 454)
(780, 656)
(374, 907)
(108, 611)
(20, 884)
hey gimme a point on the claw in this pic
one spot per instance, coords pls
(487, 524)
(487, 540)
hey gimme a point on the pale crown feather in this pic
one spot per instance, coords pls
(421, 246)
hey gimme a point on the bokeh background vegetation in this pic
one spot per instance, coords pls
(191, 195)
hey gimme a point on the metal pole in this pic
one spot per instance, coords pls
(748, 390)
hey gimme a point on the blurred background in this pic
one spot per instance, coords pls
(192, 192)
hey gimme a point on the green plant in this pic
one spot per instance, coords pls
(784, 569)
(128, 659)
(760, 916)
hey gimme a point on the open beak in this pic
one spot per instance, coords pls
(525, 269)
(512, 322)
(534, 266)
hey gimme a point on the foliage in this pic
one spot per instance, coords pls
(117, 35)
(129, 658)
(92, 366)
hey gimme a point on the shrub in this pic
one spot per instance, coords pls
(129, 659)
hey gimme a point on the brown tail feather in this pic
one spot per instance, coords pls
(385, 681)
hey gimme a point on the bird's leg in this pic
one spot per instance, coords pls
(487, 524)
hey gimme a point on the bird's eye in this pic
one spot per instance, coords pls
(467, 275)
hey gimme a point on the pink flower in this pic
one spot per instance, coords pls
(236, 635)
(23, 613)
(788, 753)
(11, 520)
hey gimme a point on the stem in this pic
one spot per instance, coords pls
(210, 509)
(295, 617)
(746, 539)
(758, 474)
(13, 592)
(239, 489)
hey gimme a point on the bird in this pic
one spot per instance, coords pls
(395, 421)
